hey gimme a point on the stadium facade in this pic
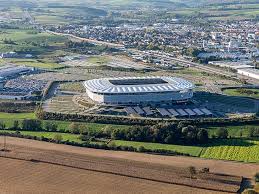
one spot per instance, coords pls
(139, 90)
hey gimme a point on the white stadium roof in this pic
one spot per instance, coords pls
(137, 85)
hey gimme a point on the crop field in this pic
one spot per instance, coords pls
(50, 19)
(233, 149)
(167, 173)
(227, 149)
(28, 40)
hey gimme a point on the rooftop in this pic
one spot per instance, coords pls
(138, 85)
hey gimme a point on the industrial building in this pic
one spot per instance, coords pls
(139, 90)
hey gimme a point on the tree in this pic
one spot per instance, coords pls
(202, 136)
(192, 171)
(2, 125)
(31, 125)
(39, 113)
(50, 126)
(141, 149)
(222, 133)
(256, 177)
(16, 125)
(74, 128)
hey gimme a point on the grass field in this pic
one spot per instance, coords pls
(32, 63)
(234, 131)
(18, 116)
(8, 119)
(236, 92)
(65, 136)
(72, 86)
(192, 150)
(98, 60)
(41, 45)
(226, 149)
(50, 19)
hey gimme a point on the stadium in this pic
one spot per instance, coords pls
(139, 90)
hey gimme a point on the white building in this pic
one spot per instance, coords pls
(139, 90)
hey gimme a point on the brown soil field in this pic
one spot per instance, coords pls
(41, 167)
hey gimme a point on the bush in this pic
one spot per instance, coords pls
(141, 149)
(222, 133)
(58, 138)
(31, 125)
(50, 126)
(2, 125)
(256, 177)
(74, 128)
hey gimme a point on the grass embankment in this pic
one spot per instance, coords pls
(99, 60)
(254, 93)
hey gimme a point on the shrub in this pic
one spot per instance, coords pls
(222, 133)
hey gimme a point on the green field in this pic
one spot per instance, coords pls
(65, 136)
(192, 150)
(98, 60)
(43, 46)
(28, 40)
(18, 116)
(233, 149)
(72, 86)
(236, 92)
(226, 149)
(32, 63)
(8, 119)
(233, 131)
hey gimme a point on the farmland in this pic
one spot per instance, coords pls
(142, 166)
(234, 149)
(226, 149)
(28, 40)
(44, 47)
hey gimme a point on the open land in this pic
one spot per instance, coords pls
(92, 165)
